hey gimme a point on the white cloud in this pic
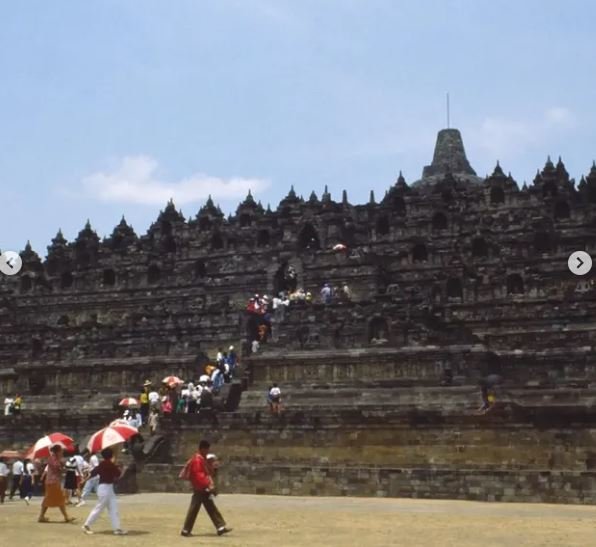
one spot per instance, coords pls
(135, 180)
(560, 117)
(502, 137)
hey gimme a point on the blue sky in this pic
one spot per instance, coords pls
(108, 107)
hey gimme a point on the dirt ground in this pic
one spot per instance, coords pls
(155, 519)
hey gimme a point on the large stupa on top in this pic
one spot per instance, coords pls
(449, 158)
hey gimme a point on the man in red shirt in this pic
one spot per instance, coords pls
(197, 471)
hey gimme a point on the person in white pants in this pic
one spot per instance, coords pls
(91, 483)
(108, 474)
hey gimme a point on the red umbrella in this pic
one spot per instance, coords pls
(172, 381)
(339, 247)
(111, 435)
(129, 402)
(41, 449)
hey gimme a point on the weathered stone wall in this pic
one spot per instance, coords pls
(466, 484)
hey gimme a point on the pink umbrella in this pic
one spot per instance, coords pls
(129, 402)
(41, 449)
(111, 435)
(172, 381)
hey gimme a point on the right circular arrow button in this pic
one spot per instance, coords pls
(579, 263)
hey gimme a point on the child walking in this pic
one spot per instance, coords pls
(108, 473)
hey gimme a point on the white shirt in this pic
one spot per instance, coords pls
(3, 470)
(195, 394)
(18, 468)
(255, 346)
(80, 464)
(7, 402)
(154, 397)
(30, 469)
(93, 461)
(275, 392)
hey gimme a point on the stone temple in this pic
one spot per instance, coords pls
(451, 275)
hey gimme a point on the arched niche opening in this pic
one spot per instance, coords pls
(153, 274)
(447, 196)
(515, 284)
(399, 205)
(419, 253)
(348, 234)
(382, 226)
(308, 238)
(549, 190)
(263, 238)
(52, 267)
(166, 228)
(82, 255)
(117, 242)
(204, 224)
(63, 321)
(26, 283)
(108, 277)
(378, 331)
(200, 270)
(543, 242)
(479, 247)
(245, 220)
(217, 241)
(497, 195)
(562, 210)
(66, 280)
(454, 288)
(169, 245)
(286, 212)
(439, 221)
(36, 347)
(41, 282)
(37, 383)
(285, 279)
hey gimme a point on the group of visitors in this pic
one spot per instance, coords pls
(200, 470)
(27, 477)
(13, 405)
(60, 477)
(264, 312)
(22, 476)
(340, 293)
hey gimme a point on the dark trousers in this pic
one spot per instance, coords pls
(3, 485)
(16, 485)
(198, 499)
(144, 412)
